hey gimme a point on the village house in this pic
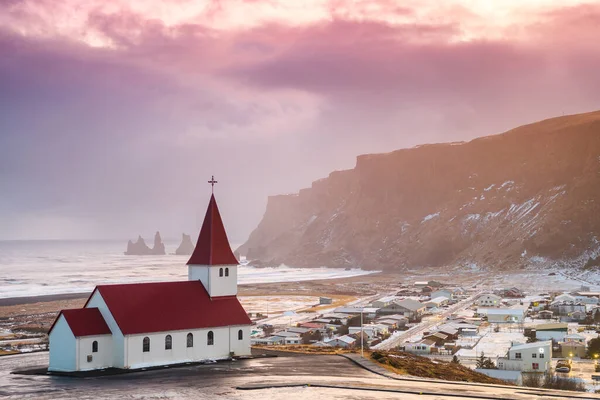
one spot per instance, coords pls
(371, 330)
(423, 346)
(408, 307)
(545, 314)
(133, 326)
(437, 302)
(268, 341)
(572, 349)
(438, 338)
(369, 312)
(342, 341)
(442, 293)
(392, 324)
(554, 331)
(528, 357)
(384, 301)
(489, 300)
(503, 315)
(574, 345)
(566, 308)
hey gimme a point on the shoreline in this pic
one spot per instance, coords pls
(44, 298)
(247, 289)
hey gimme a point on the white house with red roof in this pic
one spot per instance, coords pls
(151, 324)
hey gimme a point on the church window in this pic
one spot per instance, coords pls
(190, 340)
(240, 334)
(94, 346)
(220, 271)
(226, 271)
(168, 342)
(210, 338)
(146, 345)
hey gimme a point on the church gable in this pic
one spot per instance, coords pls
(84, 322)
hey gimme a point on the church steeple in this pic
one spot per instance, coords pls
(212, 261)
(213, 246)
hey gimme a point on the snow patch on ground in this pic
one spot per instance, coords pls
(487, 189)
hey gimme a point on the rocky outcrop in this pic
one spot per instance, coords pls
(139, 248)
(501, 201)
(159, 246)
(186, 248)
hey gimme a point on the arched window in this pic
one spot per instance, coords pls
(190, 340)
(240, 335)
(168, 342)
(226, 271)
(146, 345)
(94, 346)
(210, 338)
(220, 271)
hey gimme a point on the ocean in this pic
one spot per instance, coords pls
(35, 268)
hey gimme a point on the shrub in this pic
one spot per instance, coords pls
(552, 381)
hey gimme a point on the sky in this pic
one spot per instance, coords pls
(114, 114)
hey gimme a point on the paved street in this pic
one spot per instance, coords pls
(396, 340)
(281, 378)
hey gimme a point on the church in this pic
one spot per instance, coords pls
(151, 324)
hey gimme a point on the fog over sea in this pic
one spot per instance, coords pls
(34, 268)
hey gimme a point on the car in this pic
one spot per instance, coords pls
(563, 368)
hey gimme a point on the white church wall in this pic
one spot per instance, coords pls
(179, 353)
(199, 273)
(223, 285)
(239, 347)
(118, 340)
(103, 358)
(63, 348)
(215, 284)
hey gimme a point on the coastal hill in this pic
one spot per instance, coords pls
(529, 195)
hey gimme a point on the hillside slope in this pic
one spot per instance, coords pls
(497, 201)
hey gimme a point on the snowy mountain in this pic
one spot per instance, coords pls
(529, 195)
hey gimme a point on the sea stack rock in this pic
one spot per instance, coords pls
(186, 248)
(138, 248)
(159, 246)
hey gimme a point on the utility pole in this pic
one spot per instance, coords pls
(361, 334)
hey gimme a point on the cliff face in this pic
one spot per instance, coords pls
(499, 201)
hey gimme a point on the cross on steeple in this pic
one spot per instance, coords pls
(212, 183)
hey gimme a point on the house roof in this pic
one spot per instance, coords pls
(286, 334)
(558, 326)
(396, 317)
(346, 339)
(532, 345)
(212, 247)
(169, 306)
(313, 325)
(438, 335)
(501, 311)
(438, 300)
(410, 304)
(84, 322)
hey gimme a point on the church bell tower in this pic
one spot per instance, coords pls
(213, 262)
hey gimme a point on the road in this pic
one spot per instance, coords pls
(281, 378)
(396, 340)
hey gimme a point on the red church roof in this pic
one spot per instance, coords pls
(212, 247)
(84, 322)
(169, 306)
